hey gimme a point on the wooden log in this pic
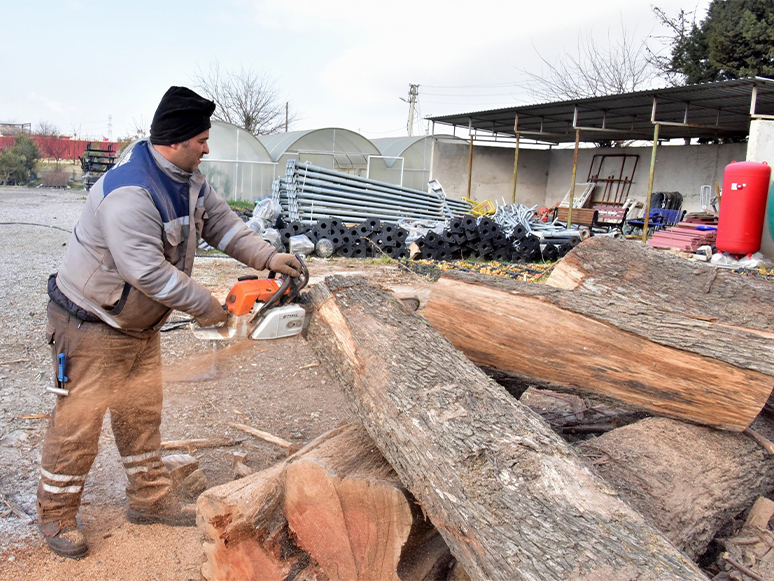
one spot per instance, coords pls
(335, 510)
(687, 305)
(510, 498)
(688, 481)
(347, 508)
(240, 546)
(247, 534)
(596, 343)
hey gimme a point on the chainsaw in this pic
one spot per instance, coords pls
(260, 308)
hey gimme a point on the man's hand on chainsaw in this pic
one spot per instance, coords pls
(285, 264)
(214, 315)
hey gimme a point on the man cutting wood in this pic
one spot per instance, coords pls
(127, 266)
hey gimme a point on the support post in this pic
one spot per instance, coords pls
(650, 183)
(470, 157)
(574, 172)
(515, 158)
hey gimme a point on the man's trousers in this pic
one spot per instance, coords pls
(105, 370)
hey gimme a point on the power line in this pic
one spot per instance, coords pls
(468, 94)
(469, 86)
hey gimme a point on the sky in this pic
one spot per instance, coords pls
(99, 69)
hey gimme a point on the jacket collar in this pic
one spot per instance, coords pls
(169, 168)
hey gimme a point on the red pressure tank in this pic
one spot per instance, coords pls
(742, 207)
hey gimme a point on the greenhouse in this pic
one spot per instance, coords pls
(238, 165)
(242, 167)
(333, 148)
(412, 157)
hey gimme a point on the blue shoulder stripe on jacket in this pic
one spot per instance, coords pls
(169, 196)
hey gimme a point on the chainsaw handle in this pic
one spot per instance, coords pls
(297, 285)
(280, 293)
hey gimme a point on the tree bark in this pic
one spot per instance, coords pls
(688, 305)
(510, 498)
(604, 344)
(688, 481)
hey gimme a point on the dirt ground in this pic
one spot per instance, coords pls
(275, 386)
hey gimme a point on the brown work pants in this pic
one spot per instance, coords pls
(106, 369)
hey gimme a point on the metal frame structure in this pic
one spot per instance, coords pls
(720, 110)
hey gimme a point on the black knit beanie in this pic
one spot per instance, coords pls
(181, 114)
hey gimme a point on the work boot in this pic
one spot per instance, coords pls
(173, 514)
(65, 538)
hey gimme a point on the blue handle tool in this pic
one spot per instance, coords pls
(61, 360)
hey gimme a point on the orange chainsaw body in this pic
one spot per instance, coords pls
(245, 293)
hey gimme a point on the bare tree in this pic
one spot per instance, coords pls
(679, 31)
(595, 70)
(140, 128)
(247, 98)
(50, 141)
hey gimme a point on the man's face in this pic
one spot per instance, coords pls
(189, 153)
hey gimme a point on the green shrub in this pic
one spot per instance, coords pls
(17, 163)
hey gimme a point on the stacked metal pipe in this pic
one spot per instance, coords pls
(518, 217)
(309, 193)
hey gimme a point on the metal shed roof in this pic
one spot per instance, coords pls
(707, 110)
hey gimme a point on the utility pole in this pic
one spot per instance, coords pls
(110, 128)
(286, 116)
(412, 100)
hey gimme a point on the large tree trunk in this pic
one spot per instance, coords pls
(688, 481)
(610, 343)
(669, 300)
(510, 498)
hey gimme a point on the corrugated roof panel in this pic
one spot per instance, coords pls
(722, 109)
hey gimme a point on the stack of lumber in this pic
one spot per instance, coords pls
(694, 231)
(684, 236)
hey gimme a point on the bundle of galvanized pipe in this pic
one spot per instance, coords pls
(309, 193)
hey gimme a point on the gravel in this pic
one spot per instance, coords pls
(275, 386)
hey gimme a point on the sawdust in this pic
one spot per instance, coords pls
(274, 386)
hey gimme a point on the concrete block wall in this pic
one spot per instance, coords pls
(681, 169)
(761, 149)
(492, 173)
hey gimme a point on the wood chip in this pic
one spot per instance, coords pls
(35, 416)
(265, 436)
(196, 443)
(16, 509)
(14, 361)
